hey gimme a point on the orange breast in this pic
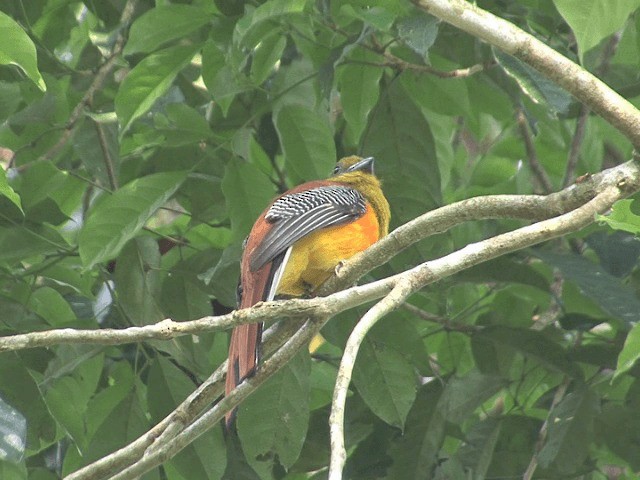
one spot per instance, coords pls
(314, 258)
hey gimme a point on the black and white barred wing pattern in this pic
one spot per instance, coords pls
(298, 214)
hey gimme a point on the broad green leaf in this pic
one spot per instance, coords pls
(505, 270)
(594, 20)
(265, 56)
(535, 85)
(359, 89)
(163, 24)
(630, 352)
(415, 453)
(16, 48)
(24, 241)
(88, 145)
(614, 297)
(50, 305)
(272, 423)
(67, 392)
(570, 431)
(400, 139)
(150, 80)
(386, 382)
(532, 344)
(419, 31)
(138, 281)
(205, 458)
(7, 192)
(252, 26)
(307, 142)
(623, 217)
(222, 80)
(447, 96)
(13, 471)
(619, 428)
(465, 394)
(13, 433)
(477, 453)
(21, 392)
(119, 217)
(248, 192)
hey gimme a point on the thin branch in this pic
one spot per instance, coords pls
(504, 35)
(108, 160)
(398, 64)
(101, 75)
(532, 156)
(392, 301)
(269, 367)
(412, 280)
(525, 207)
(576, 144)
(620, 182)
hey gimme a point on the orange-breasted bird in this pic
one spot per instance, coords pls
(298, 241)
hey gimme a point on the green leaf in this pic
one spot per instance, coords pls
(623, 217)
(248, 192)
(251, 28)
(150, 80)
(359, 89)
(7, 192)
(272, 423)
(88, 145)
(447, 96)
(119, 217)
(265, 56)
(400, 139)
(614, 297)
(162, 24)
(619, 428)
(532, 344)
(477, 453)
(465, 394)
(419, 32)
(535, 85)
(138, 281)
(630, 352)
(594, 20)
(307, 142)
(16, 48)
(570, 432)
(415, 454)
(21, 242)
(386, 382)
(206, 457)
(13, 433)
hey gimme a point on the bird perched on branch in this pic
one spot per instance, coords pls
(298, 241)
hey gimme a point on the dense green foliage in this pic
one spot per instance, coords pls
(136, 159)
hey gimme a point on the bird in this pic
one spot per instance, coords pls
(296, 244)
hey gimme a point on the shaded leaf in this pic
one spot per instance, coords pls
(148, 81)
(570, 431)
(163, 24)
(272, 423)
(307, 142)
(16, 48)
(386, 382)
(630, 352)
(594, 20)
(119, 217)
(536, 86)
(613, 296)
(13, 433)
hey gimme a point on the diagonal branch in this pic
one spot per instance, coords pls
(502, 34)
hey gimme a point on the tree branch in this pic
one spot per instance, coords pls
(502, 34)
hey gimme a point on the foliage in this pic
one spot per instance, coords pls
(137, 159)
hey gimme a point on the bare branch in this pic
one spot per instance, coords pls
(502, 34)
(532, 156)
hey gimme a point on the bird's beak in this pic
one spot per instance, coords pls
(364, 165)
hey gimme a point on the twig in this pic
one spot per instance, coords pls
(398, 64)
(108, 161)
(101, 75)
(393, 300)
(537, 169)
(576, 143)
(504, 35)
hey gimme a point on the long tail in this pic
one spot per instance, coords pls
(244, 349)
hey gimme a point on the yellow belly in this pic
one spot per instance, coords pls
(314, 258)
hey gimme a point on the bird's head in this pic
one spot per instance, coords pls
(354, 164)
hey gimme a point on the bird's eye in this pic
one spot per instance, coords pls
(336, 170)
